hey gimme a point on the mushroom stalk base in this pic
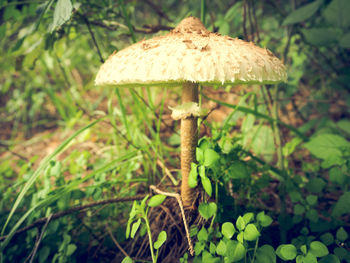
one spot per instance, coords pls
(189, 139)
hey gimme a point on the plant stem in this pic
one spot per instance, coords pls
(189, 139)
(255, 249)
(154, 259)
(280, 163)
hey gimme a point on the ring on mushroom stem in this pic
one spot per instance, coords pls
(188, 56)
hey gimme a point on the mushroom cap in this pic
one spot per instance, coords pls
(191, 53)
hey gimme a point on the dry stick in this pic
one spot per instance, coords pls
(115, 241)
(158, 10)
(40, 238)
(75, 209)
(178, 198)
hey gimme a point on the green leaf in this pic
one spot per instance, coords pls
(321, 36)
(156, 200)
(135, 227)
(336, 175)
(212, 248)
(127, 260)
(310, 258)
(240, 224)
(199, 155)
(207, 185)
(240, 237)
(221, 248)
(315, 185)
(325, 146)
(265, 254)
(318, 249)
(228, 229)
(202, 234)
(251, 233)
(264, 220)
(302, 13)
(201, 171)
(337, 13)
(198, 248)
(70, 249)
(62, 13)
(311, 199)
(342, 206)
(235, 251)
(329, 259)
(345, 41)
(299, 209)
(327, 239)
(341, 234)
(44, 252)
(207, 210)
(248, 217)
(238, 170)
(192, 177)
(210, 157)
(161, 239)
(286, 252)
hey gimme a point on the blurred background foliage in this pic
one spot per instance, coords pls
(50, 53)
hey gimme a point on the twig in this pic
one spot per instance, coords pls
(115, 241)
(245, 20)
(178, 198)
(75, 209)
(40, 238)
(14, 153)
(157, 9)
(167, 172)
(87, 22)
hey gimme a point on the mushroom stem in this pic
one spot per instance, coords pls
(189, 139)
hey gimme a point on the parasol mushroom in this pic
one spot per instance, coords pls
(188, 56)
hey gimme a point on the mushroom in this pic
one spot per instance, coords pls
(188, 56)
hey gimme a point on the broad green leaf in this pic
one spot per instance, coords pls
(262, 141)
(264, 220)
(210, 157)
(127, 260)
(337, 13)
(251, 233)
(325, 146)
(341, 234)
(329, 259)
(302, 13)
(238, 170)
(228, 229)
(156, 200)
(202, 235)
(201, 171)
(207, 210)
(235, 251)
(71, 249)
(318, 249)
(62, 13)
(342, 206)
(321, 36)
(193, 176)
(199, 155)
(315, 185)
(44, 252)
(240, 224)
(345, 41)
(327, 239)
(286, 252)
(336, 175)
(199, 247)
(207, 257)
(311, 199)
(221, 248)
(310, 258)
(248, 217)
(240, 237)
(265, 254)
(299, 209)
(207, 185)
(161, 239)
(212, 248)
(135, 227)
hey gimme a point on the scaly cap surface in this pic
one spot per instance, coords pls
(191, 53)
